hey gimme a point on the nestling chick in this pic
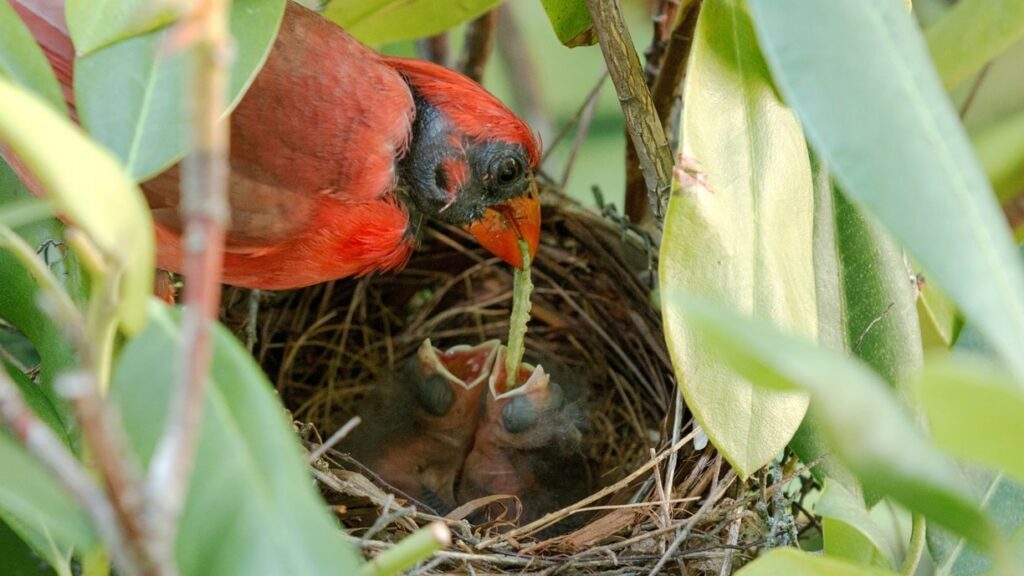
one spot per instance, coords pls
(528, 445)
(418, 425)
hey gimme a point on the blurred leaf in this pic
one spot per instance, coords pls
(24, 211)
(999, 497)
(251, 505)
(975, 413)
(571, 22)
(793, 562)
(18, 558)
(96, 23)
(88, 186)
(31, 501)
(1000, 147)
(37, 400)
(22, 60)
(131, 95)
(940, 324)
(746, 239)
(886, 451)
(857, 74)
(18, 292)
(377, 21)
(849, 525)
(972, 33)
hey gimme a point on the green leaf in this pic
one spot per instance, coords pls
(859, 77)
(793, 562)
(96, 23)
(19, 291)
(37, 400)
(131, 95)
(972, 33)
(571, 21)
(251, 506)
(886, 450)
(1000, 147)
(849, 525)
(940, 324)
(88, 186)
(1002, 500)
(18, 558)
(975, 413)
(378, 21)
(22, 60)
(746, 239)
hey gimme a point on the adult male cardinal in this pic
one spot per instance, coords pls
(337, 154)
(419, 423)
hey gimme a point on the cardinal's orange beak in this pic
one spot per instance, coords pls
(504, 225)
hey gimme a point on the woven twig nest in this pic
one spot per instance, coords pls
(324, 347)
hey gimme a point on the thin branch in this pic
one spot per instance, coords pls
(673, 66)
(437, 49)
(478, 45)
(642, 124)
(42, 443)
(204, 209)
(526, 90)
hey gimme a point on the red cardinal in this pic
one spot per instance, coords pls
(419, 423)
(337, 154)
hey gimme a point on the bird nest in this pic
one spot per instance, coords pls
(660, 496)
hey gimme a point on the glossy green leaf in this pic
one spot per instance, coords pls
(745, 238)
(975, 412)
(886, 450)
(131, 94)
(859, 77)
(571, 21)
(972, 33)
(377, 21)
(793, 562)
(851, 527)
(22, 60)
(97, 23)
(87, 185)
(251, 506)
(1000, 148)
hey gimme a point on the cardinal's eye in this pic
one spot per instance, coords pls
(507, 170)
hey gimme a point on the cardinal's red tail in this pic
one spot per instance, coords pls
(45, 20)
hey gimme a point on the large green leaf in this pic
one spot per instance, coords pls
(793, 562)
(97, 23)
(131, 94)
(859, 77)
(251, 506)
(18, 559)
(88, 186)
(23, 62)
(571, 21)
(377, 21)
(850, 532)
(19, 292)
(745, 238)
(975, 413)
(858, 413)
(971, 34)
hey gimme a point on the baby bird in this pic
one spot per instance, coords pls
(418, 425)
(528, 445)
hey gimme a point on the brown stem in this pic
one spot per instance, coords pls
(666, 65)
(42, 443)
(526, 90)
(437, 49)
(478, 45)
(642, 124)
(205, 211)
